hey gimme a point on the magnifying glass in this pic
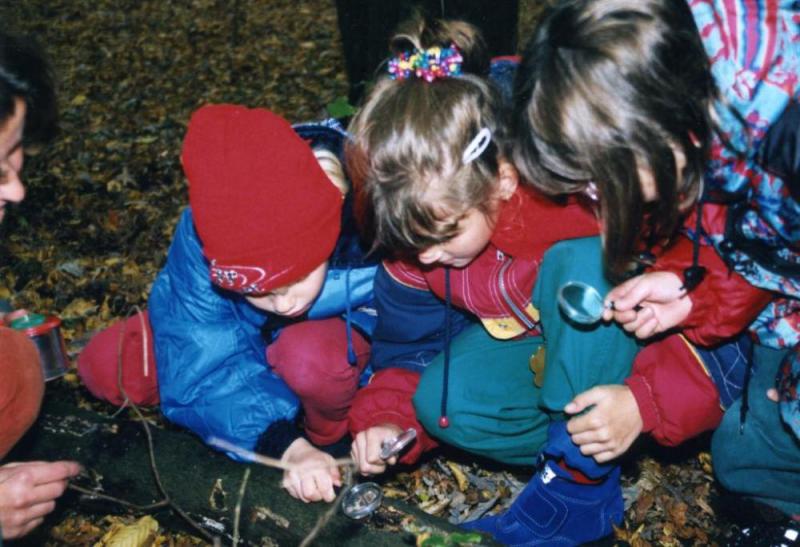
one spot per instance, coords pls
(363, 499)
(581, 302)
(394, 445)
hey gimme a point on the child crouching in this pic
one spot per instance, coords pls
(254, 315)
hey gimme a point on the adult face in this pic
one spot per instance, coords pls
(11, 157)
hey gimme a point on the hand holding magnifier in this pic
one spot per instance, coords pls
(394, 445)
(582, 303)
(363, 499)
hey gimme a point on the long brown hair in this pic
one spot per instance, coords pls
(409, 137)
(606, 87)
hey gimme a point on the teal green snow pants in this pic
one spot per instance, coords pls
(494, 407)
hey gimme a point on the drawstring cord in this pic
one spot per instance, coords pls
(698, 272)
(745, 406)
(444, 421)
(692, 276)
(146, 359)
(351, 353)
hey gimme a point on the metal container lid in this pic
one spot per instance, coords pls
(34, 324)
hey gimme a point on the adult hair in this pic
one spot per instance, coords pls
(25, 74)
(406, 155)
(608, 87)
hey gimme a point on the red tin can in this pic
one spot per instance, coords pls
(45, 332)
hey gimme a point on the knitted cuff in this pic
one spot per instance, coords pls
(277, 438)
(644, 399)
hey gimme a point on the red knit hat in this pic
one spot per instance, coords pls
(265, 211)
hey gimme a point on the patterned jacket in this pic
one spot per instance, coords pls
(752, 217)
(754, 49)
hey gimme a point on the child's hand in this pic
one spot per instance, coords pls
(608, 429)
(366, 449)
(649, 304)
(313, 475)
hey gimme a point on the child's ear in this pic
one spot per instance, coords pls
(508, 179)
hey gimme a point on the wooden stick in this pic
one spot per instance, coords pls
(237, 513)
(264, 460)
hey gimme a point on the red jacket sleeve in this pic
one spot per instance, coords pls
(406, 274)
(677, 398)
(724, 303)
(530, 223)
(387, 399)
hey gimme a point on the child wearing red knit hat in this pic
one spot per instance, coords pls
(263, 306)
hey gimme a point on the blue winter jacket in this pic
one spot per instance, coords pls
(212, 370)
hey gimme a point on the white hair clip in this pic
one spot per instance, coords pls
(592, 192)
(477, 145)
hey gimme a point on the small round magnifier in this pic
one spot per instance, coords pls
(580, 302)
(361, 500)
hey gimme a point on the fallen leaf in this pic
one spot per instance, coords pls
(460, 476)
(138, 534)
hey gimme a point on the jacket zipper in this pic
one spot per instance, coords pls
(523, 318)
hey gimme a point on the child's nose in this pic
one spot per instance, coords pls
(283, 303)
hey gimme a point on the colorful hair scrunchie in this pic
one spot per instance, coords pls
(428, 64)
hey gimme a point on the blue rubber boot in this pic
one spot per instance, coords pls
(553, 509)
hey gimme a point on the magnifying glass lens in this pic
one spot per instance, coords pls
(580, 302)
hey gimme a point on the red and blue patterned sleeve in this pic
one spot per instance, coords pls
(754, 50)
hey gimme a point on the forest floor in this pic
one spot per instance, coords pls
(103, 201)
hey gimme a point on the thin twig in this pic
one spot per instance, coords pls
(325, 518)
(348, 464)
(135, 507)
(148, 434)
(237, 512)
(264, 460)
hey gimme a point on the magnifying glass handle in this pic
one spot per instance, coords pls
(394, 445)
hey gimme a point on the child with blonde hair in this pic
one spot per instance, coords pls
(470, 347)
